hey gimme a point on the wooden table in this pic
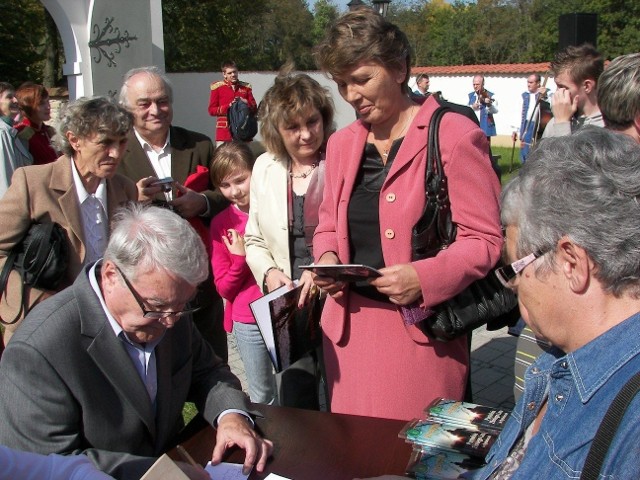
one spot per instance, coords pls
(312, 445)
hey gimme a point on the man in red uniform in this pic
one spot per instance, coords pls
(223, 94)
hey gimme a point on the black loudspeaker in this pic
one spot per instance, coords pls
(577, 28)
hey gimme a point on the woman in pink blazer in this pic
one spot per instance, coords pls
(374, 194)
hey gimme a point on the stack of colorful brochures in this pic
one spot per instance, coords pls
(453, 438)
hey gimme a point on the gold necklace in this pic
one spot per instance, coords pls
(304, 174)
(385, 152)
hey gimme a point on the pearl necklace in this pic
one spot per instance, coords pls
(304, 174)
(385, 152)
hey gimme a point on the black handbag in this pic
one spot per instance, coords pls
(41, 259)
(485, 300)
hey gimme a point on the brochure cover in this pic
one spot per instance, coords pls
(430, 464)
(344, 272)
(463, 413)
(288, 332)
(469, 440)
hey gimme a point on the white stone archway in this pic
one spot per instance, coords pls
(102, 39)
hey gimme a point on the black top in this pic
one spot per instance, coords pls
(300, 254)
(363, 215)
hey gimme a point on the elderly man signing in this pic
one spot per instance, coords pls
(105, 367)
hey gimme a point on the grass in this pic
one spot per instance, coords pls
(188, 412)
(508, 171)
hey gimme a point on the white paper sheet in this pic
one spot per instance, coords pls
(226, 471)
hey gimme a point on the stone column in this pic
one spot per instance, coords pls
(105, 38)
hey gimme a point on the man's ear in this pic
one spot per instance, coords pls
(575, 264)
(589, 85)
(108, 274)
(636, 126)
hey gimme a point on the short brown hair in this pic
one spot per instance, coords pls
(228, 158)
(581, 63)
(292, 95)
(228, 64)
(364, 35)
(29, 96)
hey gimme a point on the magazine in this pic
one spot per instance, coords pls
(463, 413)
(455, 437)
(469, 439)
(344, 272)
(288, 332)
(427, 464)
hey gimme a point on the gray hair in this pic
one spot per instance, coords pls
(151, 71)
(619, 92)
(85, 117)
(584, 186)
(149, 237)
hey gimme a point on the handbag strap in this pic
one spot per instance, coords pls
(6, 270)
(446, 228)
(608, 427)
(4, 279)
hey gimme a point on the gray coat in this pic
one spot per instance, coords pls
(67, 385)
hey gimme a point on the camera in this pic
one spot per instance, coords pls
(165, 184)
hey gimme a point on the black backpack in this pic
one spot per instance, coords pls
(242, 121)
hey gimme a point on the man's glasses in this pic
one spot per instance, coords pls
(508, 273)
(153, 313)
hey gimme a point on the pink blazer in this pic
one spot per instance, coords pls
(473, 189)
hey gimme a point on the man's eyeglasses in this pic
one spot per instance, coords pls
(153, 313)
(508, 273)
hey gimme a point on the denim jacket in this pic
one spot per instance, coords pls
(580, 387)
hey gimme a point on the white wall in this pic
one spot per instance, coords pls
(507, 90)
(191, 97)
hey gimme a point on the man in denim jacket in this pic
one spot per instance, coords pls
(572, 220)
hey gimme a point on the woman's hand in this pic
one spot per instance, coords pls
(234, 242)
(400, 283)
(328, 284)
(309, 288)
(275, 279)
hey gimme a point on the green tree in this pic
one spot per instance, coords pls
(324, 13)
(21, 35)
(199, 35)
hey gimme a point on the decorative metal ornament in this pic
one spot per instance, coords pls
(108, 42)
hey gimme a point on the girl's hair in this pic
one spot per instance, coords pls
(228, 158)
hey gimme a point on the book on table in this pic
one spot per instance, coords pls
(452, 438)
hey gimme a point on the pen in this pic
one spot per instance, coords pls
(186, 457)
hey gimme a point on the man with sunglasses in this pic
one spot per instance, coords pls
(573, 238)
(104, 367)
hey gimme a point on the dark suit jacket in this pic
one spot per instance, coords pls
(67, 385)
(46, 193)
(188, 150)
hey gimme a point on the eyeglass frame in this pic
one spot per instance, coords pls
(157, 315)
(508, 273)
